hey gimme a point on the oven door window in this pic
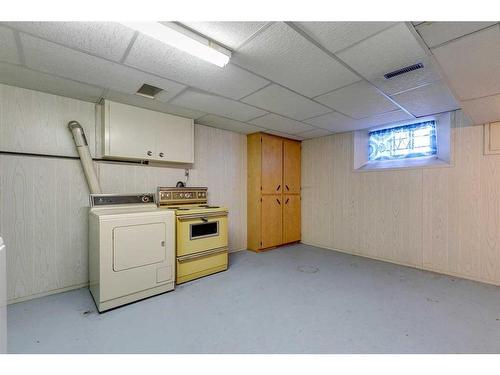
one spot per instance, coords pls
(202, 230)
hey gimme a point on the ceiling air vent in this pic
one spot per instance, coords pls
(407, 69)
(148, 91)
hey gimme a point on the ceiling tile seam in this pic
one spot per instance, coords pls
(256, 91)
(55, 75)
(254, 35)
(479, 97)
(395, 23)
(129, 47)
(433, 60)
(280, 85)
(338, 59)
(228, 118)
(100, 57)
(417, 87)
(457, 38)
(19, 47)
(178, 94)
(195, 89)
(336, 89)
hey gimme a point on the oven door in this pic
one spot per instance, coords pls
(201, 232)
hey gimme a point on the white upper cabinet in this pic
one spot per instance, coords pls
(140, 134)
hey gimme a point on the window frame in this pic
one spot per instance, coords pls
(441, 159)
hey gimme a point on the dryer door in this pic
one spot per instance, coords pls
(138, 245)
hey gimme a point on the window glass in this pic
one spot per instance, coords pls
(403, 142)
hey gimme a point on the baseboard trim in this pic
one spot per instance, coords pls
(48, 293)
(422, 268)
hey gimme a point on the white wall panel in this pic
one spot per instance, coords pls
(444, 219)
(44, 200)
(35, 122)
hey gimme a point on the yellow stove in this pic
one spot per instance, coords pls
(201, 232)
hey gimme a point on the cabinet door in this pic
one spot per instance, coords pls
(175, 139)
(272, 227)
(130, 133)
(291, 218)
(272, 165)
(291, 167)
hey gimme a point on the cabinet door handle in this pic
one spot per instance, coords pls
(287, 188)
(277, 200)
(150, 153)
(278, 188)
(286, 202)
(161, 154)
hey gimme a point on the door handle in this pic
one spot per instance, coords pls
(277, 200)
(287, 188)
(286, 202)
(278, 188)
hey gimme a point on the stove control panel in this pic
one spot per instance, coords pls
(185, 195)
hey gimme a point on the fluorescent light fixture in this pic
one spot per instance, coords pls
(181, 38)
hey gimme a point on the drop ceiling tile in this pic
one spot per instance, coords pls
(336, 36)
(106, 39)
(152, 104)
(427, 100)
(217, 105)
(279, 100)
(229, 34)
(387, 51)
(472, 63)
(334, 122)
(436, 33)
(228, 124)
(407, 81)
(155, 57)
(358, 100)
(384, 118)
(282, 124)
(285, 135)
(315, 133)
(483, 110)
(8, 47)
(282, 55)
(65, 62)
(19, 76)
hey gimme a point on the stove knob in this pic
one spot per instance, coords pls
(181, 195)
(188, 195)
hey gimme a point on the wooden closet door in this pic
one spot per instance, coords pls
(291, 167)
(272, 225)
(272, 165)
(291, 218)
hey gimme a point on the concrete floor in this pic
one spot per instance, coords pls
(296, 299)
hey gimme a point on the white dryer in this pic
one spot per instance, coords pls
(131, 249)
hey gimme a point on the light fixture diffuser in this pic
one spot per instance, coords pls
(183, 39)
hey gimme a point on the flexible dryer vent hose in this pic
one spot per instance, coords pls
(86, 159)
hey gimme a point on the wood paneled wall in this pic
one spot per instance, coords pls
(444, 219)
(44, 201)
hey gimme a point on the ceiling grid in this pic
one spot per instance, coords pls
(284, 77)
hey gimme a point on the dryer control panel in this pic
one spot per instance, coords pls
(117, 199)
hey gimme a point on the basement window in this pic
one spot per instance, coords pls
(403, 142)
(425, 142)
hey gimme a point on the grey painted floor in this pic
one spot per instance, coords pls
(297, 299)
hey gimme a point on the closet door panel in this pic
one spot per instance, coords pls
(291, 167)
(272, 165)
(271, 218)
(291, 218)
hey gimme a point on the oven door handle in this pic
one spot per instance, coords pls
(203, 217)
(201, 254)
